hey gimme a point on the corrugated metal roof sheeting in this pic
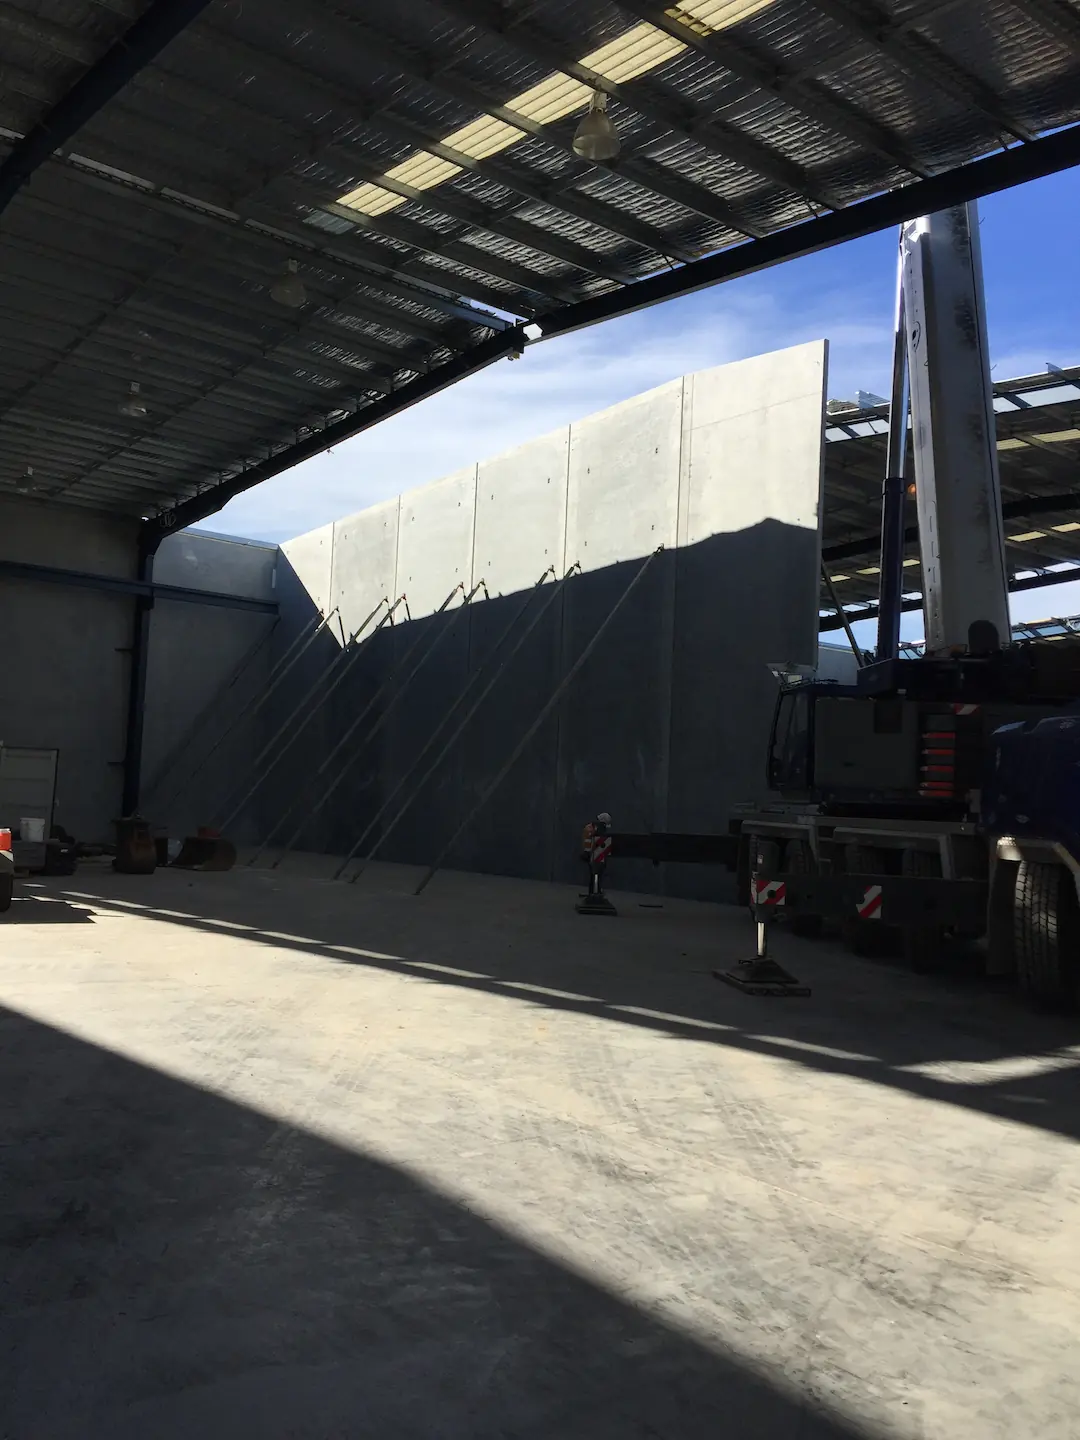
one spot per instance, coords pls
(273, 112)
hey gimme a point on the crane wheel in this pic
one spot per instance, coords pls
(1046, 935)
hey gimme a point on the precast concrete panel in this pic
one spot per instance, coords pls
(300, 673)
(623, 502)
(747, 580)
(613, 723)
(310, 557)
(434, 651)
(755, 456)
(365, 562)
(435, 541)
(515, 642)
(623, 496)
(665, 725)
(521, 514)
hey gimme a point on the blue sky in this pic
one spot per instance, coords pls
(845, 294)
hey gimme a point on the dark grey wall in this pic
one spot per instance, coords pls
(65, 663)
(63, 655)
(207, 667)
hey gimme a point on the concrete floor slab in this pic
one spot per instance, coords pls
(289, 1158)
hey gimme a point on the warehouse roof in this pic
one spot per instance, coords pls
(1038, 427)
(231, 235)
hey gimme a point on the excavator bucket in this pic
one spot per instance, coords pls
(206, 850)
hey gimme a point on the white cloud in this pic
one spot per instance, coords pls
(555, 383)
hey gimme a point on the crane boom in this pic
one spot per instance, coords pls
(953, 431)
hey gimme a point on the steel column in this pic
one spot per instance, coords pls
(136, 706)
(891, 585)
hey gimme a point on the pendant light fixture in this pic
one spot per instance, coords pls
(288, 288)
(134, 407)
(596, 137)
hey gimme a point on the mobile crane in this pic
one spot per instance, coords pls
(937, 797)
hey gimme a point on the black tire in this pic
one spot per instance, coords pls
(863, 937)
(799, 860)
(924, 948)
(1046, 935)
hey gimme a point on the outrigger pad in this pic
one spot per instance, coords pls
(761, 977)
(595, 905)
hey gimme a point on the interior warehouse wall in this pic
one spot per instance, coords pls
(666, 724)
(207, 677)
(63, 655)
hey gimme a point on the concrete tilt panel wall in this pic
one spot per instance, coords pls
(666, 724)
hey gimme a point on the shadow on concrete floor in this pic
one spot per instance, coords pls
(177, 1264)
(41, 910)
(950, 1042)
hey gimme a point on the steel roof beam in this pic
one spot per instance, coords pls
(833, 621)
(337, 152)
(669, 111)
(532, 185)
(19, 570)
(479, 358)
(294, 388)
(118, 149)
(478, 216)
(1057, 17)
(228, 303)
(1000, 171)
(159, 24)
(365, 307)
(981, 177)
(352, 382)
(535, 186)
(1012, 510)
(89, 430)
(768, 74)
(362, 346)
(125, 368)
(339, 381)
(430, 71)
(381, 269)
(920, 59)
(177, 415)
(122, 434)
(164, 319)
(119, 153)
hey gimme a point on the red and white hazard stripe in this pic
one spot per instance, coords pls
(769, 892)
(965, 709)
(869, 907)
(601, 849)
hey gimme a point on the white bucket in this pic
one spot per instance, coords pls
(32, 830)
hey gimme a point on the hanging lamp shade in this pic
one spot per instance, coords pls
(596, 137)
(288, 288)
